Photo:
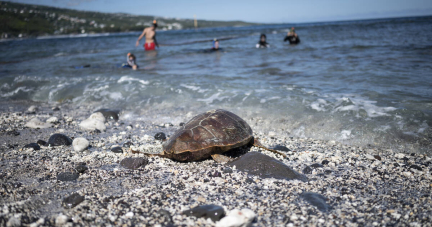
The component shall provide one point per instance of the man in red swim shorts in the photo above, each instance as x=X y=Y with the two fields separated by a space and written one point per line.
x=150 y=37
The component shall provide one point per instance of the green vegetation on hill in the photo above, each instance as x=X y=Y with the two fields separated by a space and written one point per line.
x=23 y=20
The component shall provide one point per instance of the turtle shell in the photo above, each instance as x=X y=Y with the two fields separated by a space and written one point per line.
x=213 y=132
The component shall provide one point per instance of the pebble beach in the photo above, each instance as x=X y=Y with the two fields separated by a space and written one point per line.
x=101 y=178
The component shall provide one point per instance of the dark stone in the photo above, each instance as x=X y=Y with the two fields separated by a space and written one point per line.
x=13 y=133
x=416 y=167
x=117 y=150
x=181 y=124
x=72 y=200
x=127 y=144
x=109 y=114
x=325 y=162
x=377 y=157
x=59 y=140
x=328 y=171
x=249 y=180
x=35 y=146
x=316 y=166
x=160 y=136
x=56 y=109
x=215 y=174
x=307 y=170
x=81 y=168
x=265 y=166
x=280 y=148
x=396 y=164
x=134 y=163
x=97 y=131
x=67 y=176
x=41 y=142
x=215 y=213
x=316 y=200
x=227 y=170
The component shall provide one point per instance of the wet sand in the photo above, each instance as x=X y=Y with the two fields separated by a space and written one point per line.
x=363 y=186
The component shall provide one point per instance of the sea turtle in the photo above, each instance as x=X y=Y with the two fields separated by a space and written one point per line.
x=209 y=134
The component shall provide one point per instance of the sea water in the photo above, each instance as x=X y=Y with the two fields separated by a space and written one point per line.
x=358 y=82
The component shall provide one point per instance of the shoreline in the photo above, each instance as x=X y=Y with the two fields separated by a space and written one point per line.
x=364 y=186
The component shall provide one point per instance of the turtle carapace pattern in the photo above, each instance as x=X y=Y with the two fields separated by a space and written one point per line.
x=211 y=133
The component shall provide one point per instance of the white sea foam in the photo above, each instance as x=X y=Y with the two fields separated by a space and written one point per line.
x=14 y=92
x=319 y=105
x=131 y=79
x=212 y=98
x=194 y=88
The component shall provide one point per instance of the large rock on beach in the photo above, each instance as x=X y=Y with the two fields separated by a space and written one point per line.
x=96 y=121
x=265 y=166
x=317 y=200
x=80 y=144
x=214 y=212
x=59 y=140
x=109 y=114
x=36 y=123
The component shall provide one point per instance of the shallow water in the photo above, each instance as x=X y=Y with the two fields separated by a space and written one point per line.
x=358 y=82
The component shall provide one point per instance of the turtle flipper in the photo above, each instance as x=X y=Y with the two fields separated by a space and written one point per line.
x=221 y=158
x=257 y=143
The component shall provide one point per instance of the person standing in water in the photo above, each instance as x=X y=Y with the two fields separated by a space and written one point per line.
x=262 y=42
x=292 y=37
x=150 y=37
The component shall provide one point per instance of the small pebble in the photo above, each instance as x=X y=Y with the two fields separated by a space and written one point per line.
x=72 y=200
x=35 y=146
x=214 y=212
x=67 y=176
x=160 y=136
x=134 y=163
x=59 y=140
x=80 y=144
x=117 y=150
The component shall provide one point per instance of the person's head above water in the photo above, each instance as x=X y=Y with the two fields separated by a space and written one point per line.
x=155 y=24
x=263 y=38
x=131 y=57
x=215 y=44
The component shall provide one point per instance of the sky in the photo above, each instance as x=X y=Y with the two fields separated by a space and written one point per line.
x=260 y=11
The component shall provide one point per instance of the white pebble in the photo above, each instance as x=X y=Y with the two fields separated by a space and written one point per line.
x=400 y=155
x=61 y=220
x=32 y=109
x=52 y=120
x=370 y=157
x=36 y=123
x=95 y=121
x=129 y=214
x=97 y=116
x=80 y=144
x=240 y=218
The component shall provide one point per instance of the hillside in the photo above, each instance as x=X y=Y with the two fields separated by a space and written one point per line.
x=23 y=20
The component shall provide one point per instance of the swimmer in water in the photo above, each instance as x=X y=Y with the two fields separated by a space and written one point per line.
x=292 y=37
x=215 y=44
x=131 y=62
x=150 y=37
x=262 y=42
